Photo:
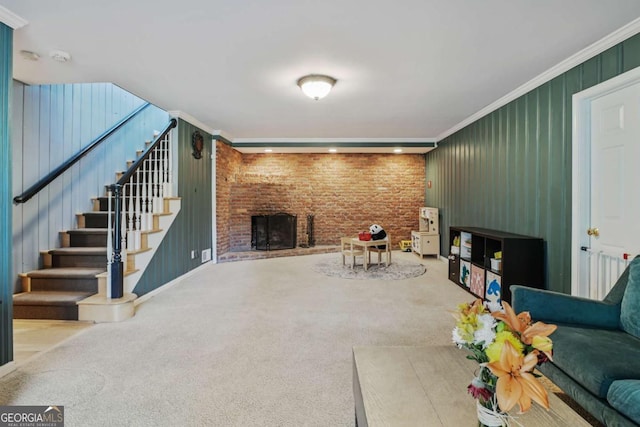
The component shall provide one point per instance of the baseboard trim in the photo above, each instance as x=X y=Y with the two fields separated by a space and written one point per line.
x=7 y=368
x=169 y=285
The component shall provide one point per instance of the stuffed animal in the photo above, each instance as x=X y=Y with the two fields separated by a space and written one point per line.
x=378 y=233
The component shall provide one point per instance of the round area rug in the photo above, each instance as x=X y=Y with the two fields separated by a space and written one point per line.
x=397 y=270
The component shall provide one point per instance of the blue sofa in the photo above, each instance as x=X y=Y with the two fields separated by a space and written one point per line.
x=596 y=348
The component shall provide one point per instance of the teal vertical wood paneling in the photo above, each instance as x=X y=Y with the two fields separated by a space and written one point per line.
x=630 y=61
x=192 y=228
x=611 y=62
x=517 y=177
x=6 y=221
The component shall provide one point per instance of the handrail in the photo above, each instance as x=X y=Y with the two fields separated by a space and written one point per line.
x=34 y=189
x=127 y=175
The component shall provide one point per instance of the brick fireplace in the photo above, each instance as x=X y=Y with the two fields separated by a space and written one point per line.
x=345 y=193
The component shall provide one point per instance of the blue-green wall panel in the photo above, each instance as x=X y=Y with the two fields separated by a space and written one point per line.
x=511 y=170
x=630 y=61
x=6 y=274
x=192 y=227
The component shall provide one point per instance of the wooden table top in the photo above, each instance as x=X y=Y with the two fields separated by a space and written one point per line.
x=427 y=386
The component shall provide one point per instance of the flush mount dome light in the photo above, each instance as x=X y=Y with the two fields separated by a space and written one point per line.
x=316 y=86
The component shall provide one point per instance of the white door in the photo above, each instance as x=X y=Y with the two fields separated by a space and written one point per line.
x=613 y=231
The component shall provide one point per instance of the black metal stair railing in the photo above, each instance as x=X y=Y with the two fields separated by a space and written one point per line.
x=136 y=197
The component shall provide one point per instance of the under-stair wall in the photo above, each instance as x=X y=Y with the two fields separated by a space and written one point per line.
x=51 y=123
x=192 y=228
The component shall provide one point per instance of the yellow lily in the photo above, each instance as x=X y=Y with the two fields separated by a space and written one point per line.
x=516 y=383
x=521 y=324
x=543 y=344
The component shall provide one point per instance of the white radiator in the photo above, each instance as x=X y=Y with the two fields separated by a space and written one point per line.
x=605 y=269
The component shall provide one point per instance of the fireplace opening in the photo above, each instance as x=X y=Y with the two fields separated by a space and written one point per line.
x=272 y=232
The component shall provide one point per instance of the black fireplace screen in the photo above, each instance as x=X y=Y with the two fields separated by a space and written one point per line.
x=270 y=232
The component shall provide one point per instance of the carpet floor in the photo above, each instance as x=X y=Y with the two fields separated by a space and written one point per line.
x=250 y=343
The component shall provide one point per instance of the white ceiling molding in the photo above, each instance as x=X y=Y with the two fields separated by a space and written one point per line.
x=334 y=140
x=188 y=118
x=222 y=135
x=585 y=54
x=11 y=19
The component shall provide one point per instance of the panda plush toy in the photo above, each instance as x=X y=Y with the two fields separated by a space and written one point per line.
x=378 y=233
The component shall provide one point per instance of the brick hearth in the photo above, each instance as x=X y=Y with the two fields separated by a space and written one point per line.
x=247 y=255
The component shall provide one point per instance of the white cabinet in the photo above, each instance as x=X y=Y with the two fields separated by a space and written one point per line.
x=424 y=243
x=429 y=220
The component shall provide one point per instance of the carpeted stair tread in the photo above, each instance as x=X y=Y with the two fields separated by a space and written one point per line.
x=87 y=231
x=66 y=272
x=80 y=251
x=50 y=298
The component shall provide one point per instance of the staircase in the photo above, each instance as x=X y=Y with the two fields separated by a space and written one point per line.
x=75 y=275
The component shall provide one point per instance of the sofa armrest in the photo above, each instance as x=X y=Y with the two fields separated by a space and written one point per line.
x=550 y=307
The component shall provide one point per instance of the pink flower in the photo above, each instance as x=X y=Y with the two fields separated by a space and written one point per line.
x=478 y=391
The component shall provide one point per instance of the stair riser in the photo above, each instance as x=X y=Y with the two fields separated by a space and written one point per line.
x=96 y=221
x=61 y=284
x=64 y=312
x=87 y=240
x=62 y=261
x=100 y=221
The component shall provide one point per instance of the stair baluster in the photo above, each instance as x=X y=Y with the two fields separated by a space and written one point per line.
x=138 y=207
x=131 y=238
x=167 y=171
x=123 y=228
x=157 y=200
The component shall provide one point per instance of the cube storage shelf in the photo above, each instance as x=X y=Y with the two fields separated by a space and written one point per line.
x=470 y=268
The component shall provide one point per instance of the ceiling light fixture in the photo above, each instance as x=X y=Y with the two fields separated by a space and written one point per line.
x=60 y=55
x=316 y=86
x=397 y=150
x=268 y=150
x=333 y=150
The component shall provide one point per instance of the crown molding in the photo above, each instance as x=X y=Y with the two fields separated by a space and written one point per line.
x=11 y=19
x=343 y=141
x=189 y=118
x=222 y=136
x=585 y=54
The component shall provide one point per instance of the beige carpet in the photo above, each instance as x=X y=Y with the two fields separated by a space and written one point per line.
x=251 y=343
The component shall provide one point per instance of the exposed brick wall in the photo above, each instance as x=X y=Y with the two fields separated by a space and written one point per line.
x=345 y=192
x=228 y=163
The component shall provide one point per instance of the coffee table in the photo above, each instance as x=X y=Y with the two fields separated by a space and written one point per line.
x=427 y=386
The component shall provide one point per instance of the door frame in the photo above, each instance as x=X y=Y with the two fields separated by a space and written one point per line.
x=581 y=172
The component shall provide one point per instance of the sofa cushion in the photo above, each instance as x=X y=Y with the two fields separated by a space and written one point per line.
x=629 y=319
x=595 y=358
x=624 y=395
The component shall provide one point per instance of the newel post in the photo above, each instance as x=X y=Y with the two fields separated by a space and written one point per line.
x=117 y=270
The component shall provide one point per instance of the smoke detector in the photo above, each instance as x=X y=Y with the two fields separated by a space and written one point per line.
x=60 y=55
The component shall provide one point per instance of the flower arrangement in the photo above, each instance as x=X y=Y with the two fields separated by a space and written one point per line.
x=507 y=346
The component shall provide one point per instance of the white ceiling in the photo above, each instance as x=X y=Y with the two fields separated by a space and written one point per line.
x=411 y=69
